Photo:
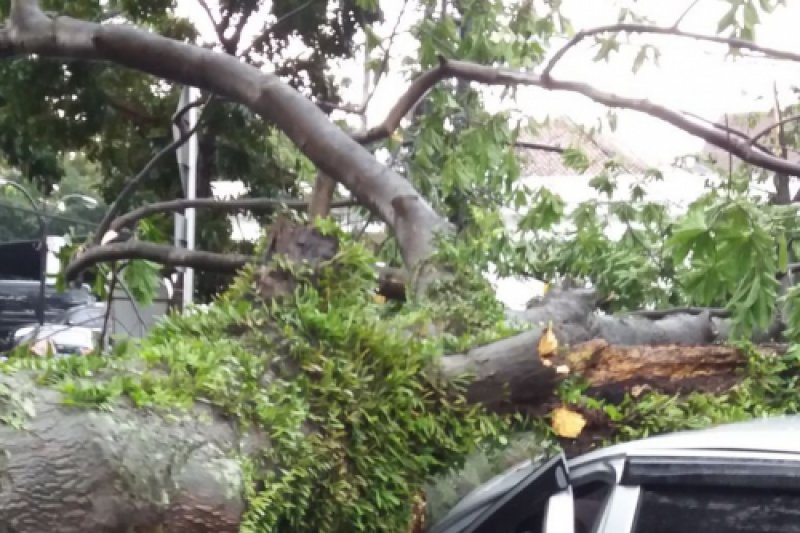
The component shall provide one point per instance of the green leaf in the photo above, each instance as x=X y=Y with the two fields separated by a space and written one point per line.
x=639 y=60
x=575 y=159
x=783 y=253
x=603 y=183
x=143 y=279
x=372 y=39
x=751 y=18
x=686 y=233
x=728 y=20
x=607 y=46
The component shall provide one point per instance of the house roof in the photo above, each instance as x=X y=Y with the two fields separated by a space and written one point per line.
x=562 y=132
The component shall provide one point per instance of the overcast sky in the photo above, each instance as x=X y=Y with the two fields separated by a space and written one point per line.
x=692 y=76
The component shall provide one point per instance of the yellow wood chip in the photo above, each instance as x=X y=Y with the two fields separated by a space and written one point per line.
x=566 y=423
x=379 y=299
x=548 y=343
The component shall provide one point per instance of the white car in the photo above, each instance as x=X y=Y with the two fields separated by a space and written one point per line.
x=57 y=339
x=734 y=478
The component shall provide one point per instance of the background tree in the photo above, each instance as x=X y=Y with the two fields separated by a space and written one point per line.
x=119 y=119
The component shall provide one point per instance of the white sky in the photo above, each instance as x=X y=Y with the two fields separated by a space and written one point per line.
x=692 y=76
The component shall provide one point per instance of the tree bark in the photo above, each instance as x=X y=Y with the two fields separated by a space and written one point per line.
x=75 y=470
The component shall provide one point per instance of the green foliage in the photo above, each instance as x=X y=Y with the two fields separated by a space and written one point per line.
x=342 y=385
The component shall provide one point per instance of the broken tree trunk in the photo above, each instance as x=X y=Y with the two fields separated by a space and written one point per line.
x=74 y=469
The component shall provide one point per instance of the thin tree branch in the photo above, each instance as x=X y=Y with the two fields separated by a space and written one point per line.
x=538 y=146
x=386 y=57
x=727 y=129
x=132 y=184
x=503 y=76
x=772 y=53
x=783 y=195
x=778 y=124
x=267 y=31
x=244 y=204
x=418 y=88
x=210 y=14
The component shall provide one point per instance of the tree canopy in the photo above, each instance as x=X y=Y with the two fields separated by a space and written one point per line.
x=340 y=372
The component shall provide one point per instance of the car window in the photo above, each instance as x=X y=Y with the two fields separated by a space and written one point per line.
x=677 y=509
x=589 y=500
x=513 y=502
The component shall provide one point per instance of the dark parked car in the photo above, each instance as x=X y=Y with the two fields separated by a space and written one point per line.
x=734 y=478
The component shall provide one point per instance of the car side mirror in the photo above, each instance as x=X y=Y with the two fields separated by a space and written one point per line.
x=560 y=514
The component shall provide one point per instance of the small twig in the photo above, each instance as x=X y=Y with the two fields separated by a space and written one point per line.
x=684 y=13
x=539 y=146
x=386 y=56
x=210 y=14
x=109 y=302
x=132 y=184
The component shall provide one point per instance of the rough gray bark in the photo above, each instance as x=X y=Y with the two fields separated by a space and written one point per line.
x=75 y=470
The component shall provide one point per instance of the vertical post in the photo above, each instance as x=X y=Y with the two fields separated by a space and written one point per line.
x=43 y=266
x=191 y=193
x=187 y=166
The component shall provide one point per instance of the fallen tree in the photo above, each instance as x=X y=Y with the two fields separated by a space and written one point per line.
x=297 y=402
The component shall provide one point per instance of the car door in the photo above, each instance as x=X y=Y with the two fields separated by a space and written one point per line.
x=516 y=501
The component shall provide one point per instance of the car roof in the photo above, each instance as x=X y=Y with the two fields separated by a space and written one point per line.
x=774 y=434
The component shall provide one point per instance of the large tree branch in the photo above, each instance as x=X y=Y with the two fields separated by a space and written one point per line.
x=239 y=204
x=157 y=253
x=669 y=30
x=391 y=281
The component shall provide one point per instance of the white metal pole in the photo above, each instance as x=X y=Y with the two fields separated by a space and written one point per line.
x=191 y=193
